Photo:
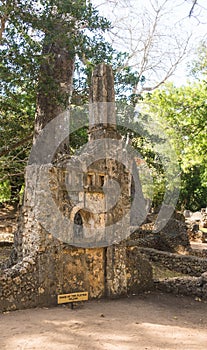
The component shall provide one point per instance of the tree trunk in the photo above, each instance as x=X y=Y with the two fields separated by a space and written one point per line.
x=53 y=98
x=55 y=80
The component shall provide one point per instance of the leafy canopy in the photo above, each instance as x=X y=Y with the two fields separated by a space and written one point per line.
x=183 y=112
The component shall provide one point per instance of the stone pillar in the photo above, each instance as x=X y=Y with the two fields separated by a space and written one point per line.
x=102 y=115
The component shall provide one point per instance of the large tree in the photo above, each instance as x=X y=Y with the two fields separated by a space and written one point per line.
x=41 y=42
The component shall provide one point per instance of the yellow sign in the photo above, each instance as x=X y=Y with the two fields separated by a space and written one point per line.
x=72 y=297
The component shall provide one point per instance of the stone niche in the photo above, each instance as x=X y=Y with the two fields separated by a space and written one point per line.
x=50 y=256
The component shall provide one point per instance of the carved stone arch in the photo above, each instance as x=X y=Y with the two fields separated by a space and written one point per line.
x=81 y=217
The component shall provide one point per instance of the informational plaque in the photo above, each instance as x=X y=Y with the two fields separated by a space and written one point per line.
x=72 y=297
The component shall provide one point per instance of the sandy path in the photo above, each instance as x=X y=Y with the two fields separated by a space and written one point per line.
x=146 y=322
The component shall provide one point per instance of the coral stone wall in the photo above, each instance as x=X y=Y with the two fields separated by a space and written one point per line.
x=103 y=272
x=45 y=266
x=186 y=264
x=193 y=286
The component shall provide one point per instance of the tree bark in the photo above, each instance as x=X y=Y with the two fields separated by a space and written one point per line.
x=55 y=80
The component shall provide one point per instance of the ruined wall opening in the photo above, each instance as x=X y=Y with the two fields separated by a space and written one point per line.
x=101 y=180
x=90 y=181
x=78 y=225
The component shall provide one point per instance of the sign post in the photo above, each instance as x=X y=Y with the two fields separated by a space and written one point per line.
x=72 y=298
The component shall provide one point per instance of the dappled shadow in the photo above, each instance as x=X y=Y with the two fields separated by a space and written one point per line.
x=149 y=321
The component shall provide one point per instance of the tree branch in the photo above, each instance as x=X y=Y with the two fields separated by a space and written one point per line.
x=7 y=150
x=3 y=24
x=192 y=8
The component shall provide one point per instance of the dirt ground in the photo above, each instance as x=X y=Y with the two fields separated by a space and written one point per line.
x=149 y=321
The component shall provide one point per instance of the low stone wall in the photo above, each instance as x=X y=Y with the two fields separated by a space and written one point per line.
x=186 y=264
x=193 y=286
x=199 y=253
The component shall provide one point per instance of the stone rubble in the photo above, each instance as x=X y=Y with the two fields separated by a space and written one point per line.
x=197 y=225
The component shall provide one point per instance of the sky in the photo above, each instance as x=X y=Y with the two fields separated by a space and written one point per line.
x=133 y=20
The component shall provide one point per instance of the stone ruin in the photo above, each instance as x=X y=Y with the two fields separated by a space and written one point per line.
x=96 y=253
x=197 y=225
x=51 y=257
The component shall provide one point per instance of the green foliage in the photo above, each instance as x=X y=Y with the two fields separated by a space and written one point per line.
x=5 y=191
x=30 y=25
x=183 y=113
x=194 y=187
x=199 y=66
